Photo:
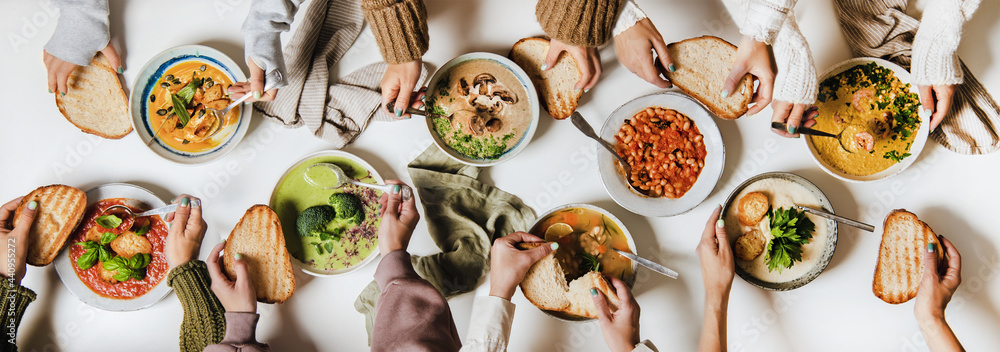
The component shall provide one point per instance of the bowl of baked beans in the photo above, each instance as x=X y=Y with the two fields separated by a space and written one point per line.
x=674 y=152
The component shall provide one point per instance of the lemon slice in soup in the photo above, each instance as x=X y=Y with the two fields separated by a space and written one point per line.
x=557 y=231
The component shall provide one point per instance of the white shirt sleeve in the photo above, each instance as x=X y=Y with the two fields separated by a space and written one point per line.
x=934 y=59
x=796 y=80
x=629 y=15
x=764 y=18
x=489 y=328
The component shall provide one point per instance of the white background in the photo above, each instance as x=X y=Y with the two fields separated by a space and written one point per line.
x=955 y=194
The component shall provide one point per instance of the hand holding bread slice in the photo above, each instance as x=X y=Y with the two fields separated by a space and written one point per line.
x=95 y=101
x=703 y=64
x=555 y=85
x=900 y=265
x=60 y=210
x=545 y=286
x=261 y=244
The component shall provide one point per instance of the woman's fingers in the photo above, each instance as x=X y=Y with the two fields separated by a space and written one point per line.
x=930 y=264
x=795 y=119
x=595 y=65
x=735 y=75
x=113 y=59
x=403 y=99
x=256 y=79
x=954 y=273
x=764 y=93
x=7 y=212
x=943 y=94
x=393 y=199
x=926 y=102
x=553 y=56
x=62 y=75
x=585 y=66
x=603 y=313
x=242 y=272
x=214 y=268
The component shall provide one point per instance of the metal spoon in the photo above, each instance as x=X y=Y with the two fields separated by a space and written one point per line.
x=409 y=110
x=342 y=179
x=158 y=211
x=812 y=132
x=582 y=125
x=221 y=115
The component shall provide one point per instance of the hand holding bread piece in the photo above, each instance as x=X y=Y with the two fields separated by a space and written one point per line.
x=95 y=102
x=237 y=295
x=259 y=241
x=703 y=64
x=546 y=287
x=509 y=262
x=60 y=210
x=556 y=84
x=16 y=238
x=901 y=256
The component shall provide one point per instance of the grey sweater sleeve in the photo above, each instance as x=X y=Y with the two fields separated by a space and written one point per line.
x=262 y=32
x=81 y=32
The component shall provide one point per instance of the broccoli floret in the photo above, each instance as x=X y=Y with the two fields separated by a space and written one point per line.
x=348 y=208
x=313 y=221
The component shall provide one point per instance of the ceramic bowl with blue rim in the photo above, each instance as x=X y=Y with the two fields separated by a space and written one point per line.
x=148 y=105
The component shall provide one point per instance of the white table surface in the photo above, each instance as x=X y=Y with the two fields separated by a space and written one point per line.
x=953 y=193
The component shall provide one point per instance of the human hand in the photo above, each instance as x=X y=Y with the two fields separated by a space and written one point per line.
x=793 y=116
x=752 y=57
x=16 y=238
x=398 y=84
x=935 y=103
x=635 y=47
x=399 y=218
x=254 y=86
x=508 y=264
x=59 y=70
x=621 y=328
x=187 y=229
x=588 y=60
x=935 y=289
x=236 y=296
x=716 y=257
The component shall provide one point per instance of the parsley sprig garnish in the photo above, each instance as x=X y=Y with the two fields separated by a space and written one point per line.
x=790 y=230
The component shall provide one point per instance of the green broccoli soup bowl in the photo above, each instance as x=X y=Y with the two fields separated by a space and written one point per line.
x=329 y=232
x=489 y=108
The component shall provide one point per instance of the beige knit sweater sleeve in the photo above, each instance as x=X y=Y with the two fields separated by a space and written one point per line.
x=588 y=23
x=934 y=59
x=400 y=28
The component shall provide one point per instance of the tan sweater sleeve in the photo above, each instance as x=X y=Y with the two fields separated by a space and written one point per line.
x=586 y=23
x=400 y=28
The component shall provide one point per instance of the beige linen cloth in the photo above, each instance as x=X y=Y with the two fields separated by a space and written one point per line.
x=335 y=111
x=881 y=28
x=463 y=216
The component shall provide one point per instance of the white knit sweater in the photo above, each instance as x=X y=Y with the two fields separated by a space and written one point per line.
x=934 y=59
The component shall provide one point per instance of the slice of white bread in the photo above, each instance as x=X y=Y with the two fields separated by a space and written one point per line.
x=259 y=240
x=555 y=85
x=901 y=256
x=703 y=63
x=60 y=209
x=545 y=286
x=94 y=100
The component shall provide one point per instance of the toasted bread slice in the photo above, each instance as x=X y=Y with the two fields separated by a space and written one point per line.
x=750 y=245
x=703 y=64
x=752 y=208
x=95 y=101
x=259 y=240
x=901 y=256
x=545 y=286
x=60 y=209
x=556 y=85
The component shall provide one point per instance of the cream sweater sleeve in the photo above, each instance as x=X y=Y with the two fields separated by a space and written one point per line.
x=773 y=22
x=934 y=59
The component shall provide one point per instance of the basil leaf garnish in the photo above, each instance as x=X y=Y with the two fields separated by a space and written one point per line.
x=87 y=260
x=108 y=221
x=107 y=237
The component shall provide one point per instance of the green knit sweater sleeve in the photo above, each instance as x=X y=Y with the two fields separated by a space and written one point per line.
x=15 y=300
x=204 y=317
x=587 y=23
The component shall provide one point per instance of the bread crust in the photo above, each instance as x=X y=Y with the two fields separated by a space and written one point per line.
x=100 y=62
x=70 y=205
x=275 y=255
x=551 y=103
x=752 y=208
x=575 y=295
x=746 y=83
x=904 y=277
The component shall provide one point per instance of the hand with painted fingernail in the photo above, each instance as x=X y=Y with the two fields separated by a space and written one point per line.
x=755 y=58
x=716 y=256
x=399 y=219
x=794 y=116
x=588 y=60
x=635 y=48
x=621 y=327
x=16 y=254
x=254 y=85
x=236 y=295
x=935 y=104
x=59 y=70
x=937 y=286
x=509 y=264
x=187 y=229
x=398 y=86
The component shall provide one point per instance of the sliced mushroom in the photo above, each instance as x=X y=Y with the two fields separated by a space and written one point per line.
x=494 y=125
x=505 y=95
x=484 y=79
x=463 y=86
x=468 y=121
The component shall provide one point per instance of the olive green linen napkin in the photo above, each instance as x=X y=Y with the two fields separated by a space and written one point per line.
x=463 y=216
